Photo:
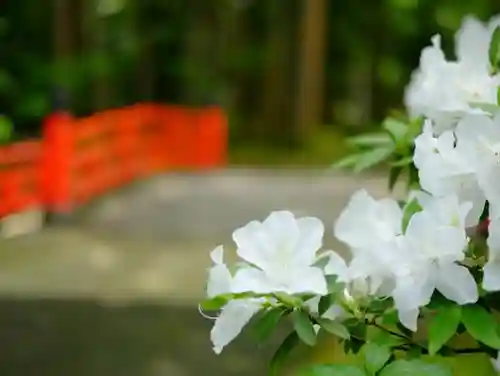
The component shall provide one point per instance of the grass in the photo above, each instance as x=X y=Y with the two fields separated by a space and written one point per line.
x=321 y=150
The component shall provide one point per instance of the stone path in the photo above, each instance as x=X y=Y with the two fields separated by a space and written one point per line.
x=114 y=292
x=152 y=239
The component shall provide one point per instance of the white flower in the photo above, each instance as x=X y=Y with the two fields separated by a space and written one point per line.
x=446 y=210
x=491 y=276
x=219 y=277
x=472 y=41
x=444 y=91
x=337 y=266
x=428 y=252
x=478 y=141
x=236 y=313
x=231 y=321
x=445 y=169
x=282 y=250
x=366 y=225
x=365 y=221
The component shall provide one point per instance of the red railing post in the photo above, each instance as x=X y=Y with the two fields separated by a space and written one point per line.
x=57 y=153
x=211 y=137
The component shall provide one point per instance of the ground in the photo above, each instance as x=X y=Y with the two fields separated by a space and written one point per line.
x=115 y=289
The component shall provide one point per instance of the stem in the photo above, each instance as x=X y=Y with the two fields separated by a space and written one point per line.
x=445 y=350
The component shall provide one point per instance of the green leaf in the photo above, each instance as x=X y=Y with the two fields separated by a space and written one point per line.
x=415 y=127
x=494 y=50
x=375 y=357
x=410 y=208
x=356 y=328
x=289 y=300
x=348 y=161
x=481 y=325
x=390 y=318
x=334 y=327
x=486 y=107
x=322 y=261
x=372 y=157
x=498 y=95
x=304 y=328
x=333 y=286
x=266 y=323
x=415 y=367
x=215 y=304
x=382 y=338
x=405 y=161
x=393 y=176
x=443 y=326
x=370 y=139
x=332 y=370
x=325 y=302
x=414 y=352
x=280 y=356
x=396 y=128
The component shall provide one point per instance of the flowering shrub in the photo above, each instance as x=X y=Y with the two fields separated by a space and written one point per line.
x=434 y=257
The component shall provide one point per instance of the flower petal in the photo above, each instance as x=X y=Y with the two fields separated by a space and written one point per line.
x=335 y=312
x=231 y=321
x=253 y=243
x=414 y=290
x=409 y=318
x=491 y=276
x=310 y=280
x=219 y=281
x=337 y=266
x=217 y=255
x=494 y=239
x=365 y=221
x=489 y=181
x=282 y=229
x=472 y=42
x=252 y=280
x=456 y=283
x=349 y=226
x=310 y=240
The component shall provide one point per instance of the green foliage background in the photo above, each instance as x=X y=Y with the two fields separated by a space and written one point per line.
x=219 y=51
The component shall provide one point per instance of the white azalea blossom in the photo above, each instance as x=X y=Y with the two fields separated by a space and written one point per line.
x=235 y=314
x=402 y=257
x=445 y=169
x=412 y=265
x=366 y=225
x=444 y=91
x=278 y=255
x=282 y=251
x=478 y=140
x=366 y=221
x=429 y=251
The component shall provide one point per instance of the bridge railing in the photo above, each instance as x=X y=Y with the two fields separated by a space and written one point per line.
x=79 y=159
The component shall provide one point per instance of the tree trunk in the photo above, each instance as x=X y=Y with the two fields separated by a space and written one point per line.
x=275 y=122
x=63 y=39
x=94 y=32
x=199 y=54
x=146 y=61
x=310 y=96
